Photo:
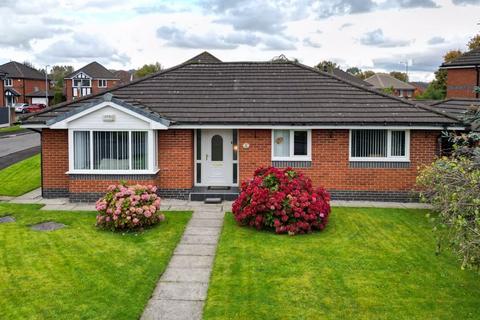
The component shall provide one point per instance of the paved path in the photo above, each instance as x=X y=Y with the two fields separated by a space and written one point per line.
x=182 y=290
x=18 y=142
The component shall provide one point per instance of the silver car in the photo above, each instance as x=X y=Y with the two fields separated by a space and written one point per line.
x=20 y=107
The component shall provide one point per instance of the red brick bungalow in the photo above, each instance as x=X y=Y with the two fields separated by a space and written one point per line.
x=206 y=125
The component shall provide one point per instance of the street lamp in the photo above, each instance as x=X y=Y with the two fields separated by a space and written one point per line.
x=46 y=84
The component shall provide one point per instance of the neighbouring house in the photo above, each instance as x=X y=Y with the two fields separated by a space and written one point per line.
x=384 y=81
x=22 y=81
x=40 y=96
x=123 y=76
x=463 y=75
x=420 y=87
x=201 y=128
x=91 y=79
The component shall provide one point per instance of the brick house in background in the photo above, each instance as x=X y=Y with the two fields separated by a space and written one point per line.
x=21 y=82
x=199 y=129
x=420 y=87
x=383 y=81
x=91 y=79
x=463 y=75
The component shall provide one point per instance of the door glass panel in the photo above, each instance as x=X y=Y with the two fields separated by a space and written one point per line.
x=217 y=148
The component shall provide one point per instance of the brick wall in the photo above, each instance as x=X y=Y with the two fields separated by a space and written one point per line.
x=95 y=88
x=26 y=86
x=330 y=166
x=175 y=159
x=461 y=82
x=54 y=162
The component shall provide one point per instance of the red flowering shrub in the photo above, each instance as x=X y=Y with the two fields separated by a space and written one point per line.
x=129 y=208
x=282 y=200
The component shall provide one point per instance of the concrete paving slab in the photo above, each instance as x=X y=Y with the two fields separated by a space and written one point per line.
x=199 y=231
x=58 y=207
x=195 y=291
x=191 y=262
x=205 y=222
x=208 y=215
x=200 y=239
x=186 y=275
x=173 y=310
x=195 y=249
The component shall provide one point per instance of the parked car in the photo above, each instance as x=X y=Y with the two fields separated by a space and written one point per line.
x=35 y=107
x=20 y=107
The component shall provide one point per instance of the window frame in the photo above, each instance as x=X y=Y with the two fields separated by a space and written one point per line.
x=152 y=164
x=389 y=157
x=81 y=82
x=102 y=81
x=293 y=157
x=8 y=82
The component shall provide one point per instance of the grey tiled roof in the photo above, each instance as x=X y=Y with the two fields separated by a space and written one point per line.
x=350 y=77
x=456 y=106
x=469 y=58
x=19 y=70
x=40 y=93
x=259 y=93
x=383 y=81
x=94 y=70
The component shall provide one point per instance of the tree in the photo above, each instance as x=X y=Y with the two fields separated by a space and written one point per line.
x=451 y=186
x=58 y=73
x=148 y=69
x=355 y=71
x=402 y=76
x=474 y=43
x=389 y=90
x=327 y=66
x=367 y=74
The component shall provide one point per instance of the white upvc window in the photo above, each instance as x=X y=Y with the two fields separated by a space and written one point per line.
x=292 y=145
x=118 y=152
x=102 y=83
x=8 y=82
x=379 y=145
x=82 y=83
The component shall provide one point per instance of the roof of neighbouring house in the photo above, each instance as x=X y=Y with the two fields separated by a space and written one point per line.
x=350 y=77
x=95 y=70
x=19 y=70
x=257 y=93
x=456 y=107
x=384 y=81
x=13 y=91
x=123 y=75
x=470 y=58
x=419 y=84
x=40 y=94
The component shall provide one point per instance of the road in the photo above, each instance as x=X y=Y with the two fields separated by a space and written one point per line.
x=16 y=147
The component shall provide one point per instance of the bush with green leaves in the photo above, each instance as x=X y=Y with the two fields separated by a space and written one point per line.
x=452 y=186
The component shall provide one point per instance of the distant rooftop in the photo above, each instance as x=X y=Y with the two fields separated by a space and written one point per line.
x=94 y=70
x=384 y=81
x=19 y=70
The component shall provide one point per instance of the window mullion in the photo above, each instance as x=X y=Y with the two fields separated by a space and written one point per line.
x=130 y=150
x=292 y=143
x=91 y=149
x=389 y=143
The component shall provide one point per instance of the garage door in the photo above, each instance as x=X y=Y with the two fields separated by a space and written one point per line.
x=39 y=100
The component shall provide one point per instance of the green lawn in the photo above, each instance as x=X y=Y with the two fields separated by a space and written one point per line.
x=11 y=129
x=79 y=272
x=20 y=177
x=368 y=264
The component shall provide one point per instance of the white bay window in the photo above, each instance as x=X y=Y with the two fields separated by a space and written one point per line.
x=379 y=145
x=291 y=145
x=97 y=151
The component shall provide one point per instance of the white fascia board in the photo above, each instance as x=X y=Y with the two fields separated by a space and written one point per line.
x=343 y=127
x=63 y=124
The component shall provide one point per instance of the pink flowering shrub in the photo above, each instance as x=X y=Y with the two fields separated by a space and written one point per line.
x=282 y=200
x=129 y=208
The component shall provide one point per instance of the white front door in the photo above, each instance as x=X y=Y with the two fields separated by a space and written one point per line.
x=217 y=154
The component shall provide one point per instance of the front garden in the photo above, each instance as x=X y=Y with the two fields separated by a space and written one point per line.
x=79 y=271
x=368 y=263
x=21 y=177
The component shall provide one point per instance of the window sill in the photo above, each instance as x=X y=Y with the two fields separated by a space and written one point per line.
x=379 y=164
x=292 y=163
x=113 y=172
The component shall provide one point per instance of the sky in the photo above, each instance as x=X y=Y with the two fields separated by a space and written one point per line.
x=379 y=35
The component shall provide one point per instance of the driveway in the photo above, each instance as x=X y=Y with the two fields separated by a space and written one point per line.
x=18 y=146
